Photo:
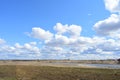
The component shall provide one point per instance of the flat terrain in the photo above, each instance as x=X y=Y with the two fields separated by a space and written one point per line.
x=44 y=63
x=61 y=63
x=25 y=72
x=54 y=70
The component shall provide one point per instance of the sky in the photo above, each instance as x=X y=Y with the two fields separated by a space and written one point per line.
x=60 y=29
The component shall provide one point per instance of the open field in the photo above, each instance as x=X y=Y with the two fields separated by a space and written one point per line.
x=25 y=72
x=110 y=61
x=55 y=70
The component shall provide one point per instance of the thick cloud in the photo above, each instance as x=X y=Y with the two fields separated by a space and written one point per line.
x=111 y=25
x=112 y=5
x=41 y=34
x=108 y=26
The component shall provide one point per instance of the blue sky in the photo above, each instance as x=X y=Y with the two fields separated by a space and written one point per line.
x=59 y=29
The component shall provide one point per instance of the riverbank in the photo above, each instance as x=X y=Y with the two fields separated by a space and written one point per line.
x=111 y=64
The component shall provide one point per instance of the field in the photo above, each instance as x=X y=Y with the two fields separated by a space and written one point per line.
x=30 y=72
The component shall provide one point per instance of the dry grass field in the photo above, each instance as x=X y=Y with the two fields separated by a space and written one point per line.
x=30 y=72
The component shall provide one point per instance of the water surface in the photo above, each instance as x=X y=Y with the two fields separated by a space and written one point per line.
x=113 y=66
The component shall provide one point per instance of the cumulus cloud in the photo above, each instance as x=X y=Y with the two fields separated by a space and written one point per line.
x=111 y=25
x=112 y=5
x=64 y=46
x=18 y=49
x=83 y=45
x=72 y=30
x=60 y=28
x=40 y=33
x=108 y=26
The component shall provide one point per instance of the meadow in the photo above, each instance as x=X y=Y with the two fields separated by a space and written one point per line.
x=30 y=72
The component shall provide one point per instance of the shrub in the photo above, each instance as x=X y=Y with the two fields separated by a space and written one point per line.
x=118 y=61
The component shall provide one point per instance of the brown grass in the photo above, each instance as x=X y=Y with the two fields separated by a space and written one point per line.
x=21 y=72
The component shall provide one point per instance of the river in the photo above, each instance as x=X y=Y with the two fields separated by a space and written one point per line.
x=112 y=66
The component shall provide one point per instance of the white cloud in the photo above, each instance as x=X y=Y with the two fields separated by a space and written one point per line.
x=33 y=43
x=17 y=45
x=108 y=26
x=40 y=33
x=58 y=48
x=31 y=48
x=68 y=46
x=83 y=45
x=58 y=40
x=17 y=49
x=110 y=45
x=2 y=41
x=60 y=28
x=63 y=47
x=62 y=39
x=100 y=51
x=72 y=30
x=116 y=35
x=112 y=5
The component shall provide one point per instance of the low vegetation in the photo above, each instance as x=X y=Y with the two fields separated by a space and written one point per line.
x=11 y=72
